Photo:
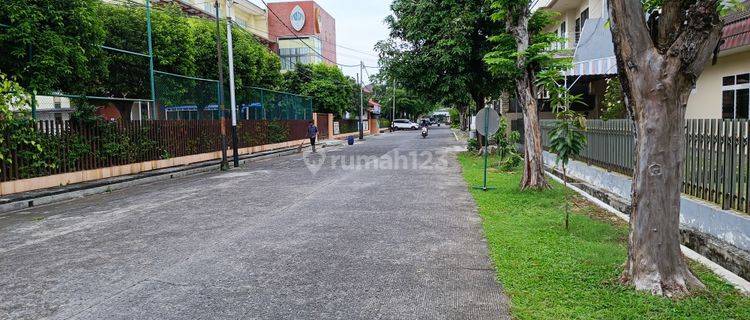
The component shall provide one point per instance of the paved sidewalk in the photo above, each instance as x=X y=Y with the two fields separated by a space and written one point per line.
x=269 y=241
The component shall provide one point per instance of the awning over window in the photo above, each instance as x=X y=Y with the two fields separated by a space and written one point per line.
x=595 y=53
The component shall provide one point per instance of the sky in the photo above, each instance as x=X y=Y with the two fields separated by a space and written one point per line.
x=359 y=26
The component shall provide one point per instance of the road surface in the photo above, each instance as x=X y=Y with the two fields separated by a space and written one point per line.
x=363 y=237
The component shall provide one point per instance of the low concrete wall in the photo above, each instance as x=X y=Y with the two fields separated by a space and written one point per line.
x=695 y=214
x=722 y=236
x=64 y=179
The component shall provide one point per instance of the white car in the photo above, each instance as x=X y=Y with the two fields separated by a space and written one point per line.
x=404 y=124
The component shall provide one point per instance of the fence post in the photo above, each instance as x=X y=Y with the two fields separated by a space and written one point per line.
x=33 y=105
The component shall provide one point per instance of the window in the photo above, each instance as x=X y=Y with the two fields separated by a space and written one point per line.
x=735 y=102
x=584 y=17
x=564 y=34
x=58 y=102
x=580 y=23
x=291 y=56
x=242 y=23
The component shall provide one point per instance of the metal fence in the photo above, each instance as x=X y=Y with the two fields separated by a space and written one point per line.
x=716 y=161
x=69 y=146
x=348 y=125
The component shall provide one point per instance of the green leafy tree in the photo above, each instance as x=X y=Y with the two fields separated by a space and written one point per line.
x=407 y=101
x=52 y=45
x=614 y=101
x=331 y=91
x=16 y=125
x=174 y=52
x=436 y=48
x=521 y=51
x=566 y=137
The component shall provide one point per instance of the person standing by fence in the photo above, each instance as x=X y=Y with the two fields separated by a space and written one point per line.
x=312 y=133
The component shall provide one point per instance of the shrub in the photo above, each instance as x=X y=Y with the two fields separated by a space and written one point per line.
x=17 y=128
x=473 y=144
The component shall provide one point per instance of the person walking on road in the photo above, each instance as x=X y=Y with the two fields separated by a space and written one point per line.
x=312 y=133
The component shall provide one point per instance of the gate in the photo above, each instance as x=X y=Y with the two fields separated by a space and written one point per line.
x=323 y=130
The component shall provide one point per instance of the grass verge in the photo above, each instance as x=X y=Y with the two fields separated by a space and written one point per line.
x=551 y=273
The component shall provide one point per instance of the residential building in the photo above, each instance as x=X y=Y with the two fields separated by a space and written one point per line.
x=247 y=14
x=722 y=91
x=302 y=32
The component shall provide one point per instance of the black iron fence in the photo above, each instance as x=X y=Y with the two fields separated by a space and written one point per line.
x=716 y=160
x=348 y=125
x=54 y=147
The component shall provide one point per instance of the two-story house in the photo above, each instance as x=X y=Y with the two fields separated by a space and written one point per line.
x=722 y=91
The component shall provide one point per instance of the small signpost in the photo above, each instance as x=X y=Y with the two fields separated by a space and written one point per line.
x=487 y=123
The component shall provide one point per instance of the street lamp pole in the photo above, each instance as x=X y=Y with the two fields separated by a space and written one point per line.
x=233 y=101
x=361 y=100
x=224 y=162
x=393 y=116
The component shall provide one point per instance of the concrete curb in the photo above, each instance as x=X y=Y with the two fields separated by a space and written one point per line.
x=741 y=284
x=97 y=187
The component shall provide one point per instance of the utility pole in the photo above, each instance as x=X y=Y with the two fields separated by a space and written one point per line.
x=230 y=18
x=361 y=100
x=393 y=116
x=224 y=162
x=155 y=115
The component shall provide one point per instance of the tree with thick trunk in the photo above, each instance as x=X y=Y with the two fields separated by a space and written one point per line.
x=659 y=62
x=517 y=24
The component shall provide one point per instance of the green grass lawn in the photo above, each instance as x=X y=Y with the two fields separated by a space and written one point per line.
x=551 y=273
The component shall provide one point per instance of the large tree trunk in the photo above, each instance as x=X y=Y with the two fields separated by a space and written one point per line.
x=517 y=24
x=655 y=261
x=657 y=71
x=462 y=119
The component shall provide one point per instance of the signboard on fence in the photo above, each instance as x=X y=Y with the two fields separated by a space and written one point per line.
x=336 y=128
x=366 y=126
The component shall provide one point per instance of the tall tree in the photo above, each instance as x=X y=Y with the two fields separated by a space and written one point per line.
x=521 y=52
x=331 y=90
x=51 y=45
x=659 y=62
x=437 y=49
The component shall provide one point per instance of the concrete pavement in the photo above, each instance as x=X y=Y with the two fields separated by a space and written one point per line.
x=359 y=239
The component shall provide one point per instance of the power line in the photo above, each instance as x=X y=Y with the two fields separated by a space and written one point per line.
x=317 y=53
x=297 y=36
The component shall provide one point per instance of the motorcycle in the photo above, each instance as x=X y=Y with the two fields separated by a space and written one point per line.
x=424 y=132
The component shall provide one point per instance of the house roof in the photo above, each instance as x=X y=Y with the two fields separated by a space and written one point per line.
x=736 y=30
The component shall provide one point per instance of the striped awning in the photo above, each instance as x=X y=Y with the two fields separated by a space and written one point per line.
x=595 y=53
x=603 y=66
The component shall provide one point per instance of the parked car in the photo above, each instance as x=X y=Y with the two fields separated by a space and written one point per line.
x=404 y=124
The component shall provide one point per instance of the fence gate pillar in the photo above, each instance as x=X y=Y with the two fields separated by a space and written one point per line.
x=330 y=126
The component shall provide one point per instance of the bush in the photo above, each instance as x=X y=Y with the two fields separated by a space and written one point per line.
x=17 y=129
x=473 y=144
x=384 y=123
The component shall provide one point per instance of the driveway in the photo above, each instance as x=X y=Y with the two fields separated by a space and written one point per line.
x=385 y=229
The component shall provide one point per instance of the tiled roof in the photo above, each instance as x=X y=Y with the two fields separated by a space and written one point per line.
x=736 y=29
x=736 y=33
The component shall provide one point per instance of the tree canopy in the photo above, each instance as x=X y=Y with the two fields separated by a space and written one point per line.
x=436 y=48
x=56 y=47
x=331 y=90
x=51 y=45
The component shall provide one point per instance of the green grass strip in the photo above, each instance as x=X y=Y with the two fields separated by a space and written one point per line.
x=551 y=273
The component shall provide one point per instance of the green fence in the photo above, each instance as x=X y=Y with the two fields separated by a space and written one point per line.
x=348 y=125
x=264 y=104
x=716 y=161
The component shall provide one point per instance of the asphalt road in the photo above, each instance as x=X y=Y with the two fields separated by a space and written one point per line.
x=385 y=229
